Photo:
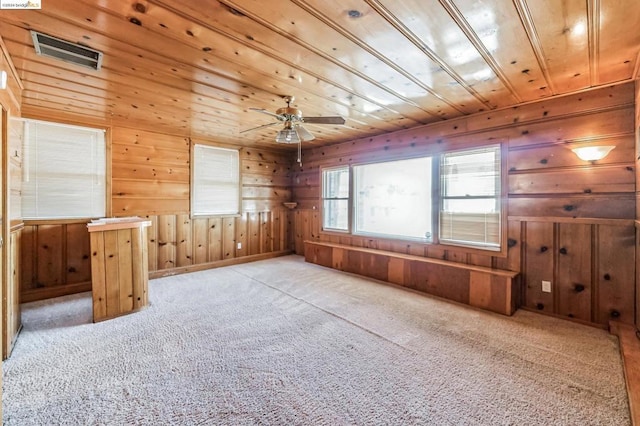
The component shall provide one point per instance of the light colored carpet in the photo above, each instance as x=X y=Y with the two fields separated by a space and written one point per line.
x=284 y=342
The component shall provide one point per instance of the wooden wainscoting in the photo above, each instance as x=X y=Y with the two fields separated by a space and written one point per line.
x=56 y=257
x=178 y=243
x=588 y=265
x=589 y=262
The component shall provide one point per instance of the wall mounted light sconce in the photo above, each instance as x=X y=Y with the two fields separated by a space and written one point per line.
x=3 y=80
x=593 y=153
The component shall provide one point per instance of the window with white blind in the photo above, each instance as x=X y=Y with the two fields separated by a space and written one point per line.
x=63 y=171
x=335 y=198
x=215 y=181
x=470 y=197
x=453 y=199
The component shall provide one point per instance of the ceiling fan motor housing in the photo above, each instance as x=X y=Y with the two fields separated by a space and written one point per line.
x=290 y=113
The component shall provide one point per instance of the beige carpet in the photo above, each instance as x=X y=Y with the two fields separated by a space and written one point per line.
x=282 y=342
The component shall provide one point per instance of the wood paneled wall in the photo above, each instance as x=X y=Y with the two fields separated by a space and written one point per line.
x=10 y=102
x=555 y=200
x=150 y=178
x=637 y=160
x=176 y=241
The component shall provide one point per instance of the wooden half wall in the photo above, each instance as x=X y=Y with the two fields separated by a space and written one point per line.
x=150 y=178
x=569 y=221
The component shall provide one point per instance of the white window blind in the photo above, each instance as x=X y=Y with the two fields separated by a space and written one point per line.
x=335 y=198
x=470 y=197
x=63 y=171
x=215 y=188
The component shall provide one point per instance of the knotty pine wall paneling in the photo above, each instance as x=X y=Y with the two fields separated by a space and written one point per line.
x=563 y=213
x=538 y=265
x=637 y=223
x=573 y=286
x=613 y=248
x=55 y=259
x=151 y=178
x=150 y=174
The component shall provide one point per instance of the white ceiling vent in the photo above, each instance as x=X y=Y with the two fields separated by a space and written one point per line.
x=69 y=52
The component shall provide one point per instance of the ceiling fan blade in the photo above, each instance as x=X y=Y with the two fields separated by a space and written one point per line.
x=264 y=111
x=304 y=134
x=324 y=120
x=259 y=127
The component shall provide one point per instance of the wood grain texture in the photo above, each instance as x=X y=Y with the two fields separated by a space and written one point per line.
x=478 y=286
x=555 y=199
x=637 y=231
x=119 y=269
x=172 y=242
x=174 y=67
x=573 y=284
x=11 y=310
x=630 y=351
x=614 y=274
x=139 y=268
x=539 y=265
x=125 y=270
x=98 y=275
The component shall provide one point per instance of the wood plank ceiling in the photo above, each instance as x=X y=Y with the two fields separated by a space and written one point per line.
x=194 y=67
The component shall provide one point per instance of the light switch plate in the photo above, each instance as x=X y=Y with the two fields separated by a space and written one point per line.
x=546 y=286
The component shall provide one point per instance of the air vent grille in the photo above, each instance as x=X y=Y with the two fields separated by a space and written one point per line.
x=52 y=47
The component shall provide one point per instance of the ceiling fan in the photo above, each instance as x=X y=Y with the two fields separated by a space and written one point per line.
x=293 y=131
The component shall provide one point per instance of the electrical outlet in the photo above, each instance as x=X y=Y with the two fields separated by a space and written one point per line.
x=546 y=286
x=239 y=246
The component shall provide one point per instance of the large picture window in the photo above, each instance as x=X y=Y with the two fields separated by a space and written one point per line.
x=63 y=171
x=405 y=199
x=394 y=199
x=215 y=181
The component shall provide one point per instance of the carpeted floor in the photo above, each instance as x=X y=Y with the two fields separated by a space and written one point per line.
x=282 y=342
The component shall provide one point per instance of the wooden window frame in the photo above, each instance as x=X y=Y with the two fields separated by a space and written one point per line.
x=435 y=244
x=349 y=199
x=193 y=163
x=107 y=166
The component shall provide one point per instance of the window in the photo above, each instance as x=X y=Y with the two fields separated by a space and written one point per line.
x=470 y=197
x=404 y=199
x=394 y=199
x=63 y=171
x=215 y=181
x=335 y=199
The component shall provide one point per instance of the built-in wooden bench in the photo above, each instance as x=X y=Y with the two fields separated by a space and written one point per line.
x=482 y=287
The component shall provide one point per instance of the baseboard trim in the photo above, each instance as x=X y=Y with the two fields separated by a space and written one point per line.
x=64 y=290
x=48 y=293
x=217 y=264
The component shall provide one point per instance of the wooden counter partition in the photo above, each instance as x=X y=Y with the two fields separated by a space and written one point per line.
x=119 y=266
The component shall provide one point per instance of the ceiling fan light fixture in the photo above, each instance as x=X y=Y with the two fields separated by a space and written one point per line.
x=288 y=135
